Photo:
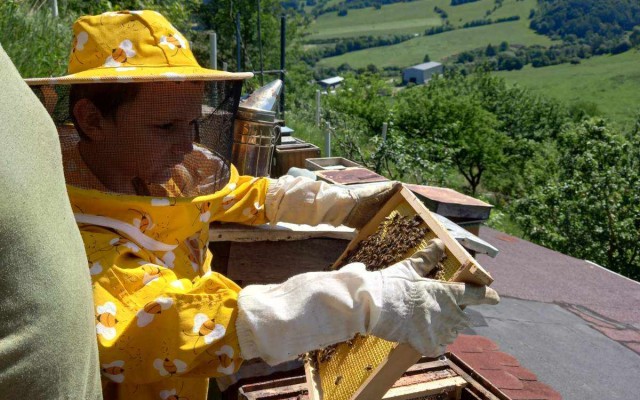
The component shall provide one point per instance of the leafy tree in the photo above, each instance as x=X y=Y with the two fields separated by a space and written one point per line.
x=635 y=36
x=365 y=99
x=590 y=207
x=490 y=51
x=426 y=58
x=220 y=16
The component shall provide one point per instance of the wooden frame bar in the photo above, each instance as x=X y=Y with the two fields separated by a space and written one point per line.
x=402 y=356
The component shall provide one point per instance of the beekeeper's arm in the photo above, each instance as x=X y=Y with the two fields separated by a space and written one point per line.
x=301 y=200
x=313 y=310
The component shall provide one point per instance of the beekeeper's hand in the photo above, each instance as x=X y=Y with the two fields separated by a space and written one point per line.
x=301 y=200
x=313 y=310
x=369 y=199
x=422 y=312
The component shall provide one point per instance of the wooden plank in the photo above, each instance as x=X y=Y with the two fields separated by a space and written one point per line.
x=409 y=392
x=477 y=386
x=351 y=175
x=314 y=385
x=273 y=262
x=377 y=384
x=277 y=232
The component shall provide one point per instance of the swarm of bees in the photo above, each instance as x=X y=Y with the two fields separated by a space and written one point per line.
x=393 y=241
x=396 y=236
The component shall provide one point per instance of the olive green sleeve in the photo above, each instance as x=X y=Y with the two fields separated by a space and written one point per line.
x=47 y=336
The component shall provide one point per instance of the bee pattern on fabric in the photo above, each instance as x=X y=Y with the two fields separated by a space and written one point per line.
x=252 y=212
x=151 y=273
x=205 y=212
x=151 y=309
x=143 y=223
x=206 y=328
x=173 y=41
x=228 y=201
x=195 y=251
x=78 y=44
x=95 y=268
x=171 y=395
x=106 y=325
x=169 y=259
x=167 y=367
x=114 y=371
x=225 y=357
x=121 y=54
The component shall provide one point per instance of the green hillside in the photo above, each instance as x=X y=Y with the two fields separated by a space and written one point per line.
x=439 y=46
x=412 y=17
x=610 y=82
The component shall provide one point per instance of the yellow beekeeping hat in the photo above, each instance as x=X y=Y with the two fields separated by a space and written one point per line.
x=132 y=46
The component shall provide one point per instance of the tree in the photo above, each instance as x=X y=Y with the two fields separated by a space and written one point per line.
x=220 y=16
x=635 y=36
x=426 y=58
x=590 y=207
x=490 y=51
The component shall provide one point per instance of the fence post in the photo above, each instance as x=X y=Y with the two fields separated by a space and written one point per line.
x=384 y=131
x=213 y=56
x=238 y=43
x=318 y=94
x=54 y=8
x=327 y=140
x=283 y=45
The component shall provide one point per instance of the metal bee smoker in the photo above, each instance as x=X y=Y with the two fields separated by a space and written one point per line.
x=256 y=132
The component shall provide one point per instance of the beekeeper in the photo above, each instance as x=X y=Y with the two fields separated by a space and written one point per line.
x=146 y=136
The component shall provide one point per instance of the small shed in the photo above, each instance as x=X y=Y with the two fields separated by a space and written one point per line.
x=421 y=73
x=331 y=83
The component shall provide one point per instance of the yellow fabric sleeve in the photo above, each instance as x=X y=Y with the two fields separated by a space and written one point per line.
x=245 y=204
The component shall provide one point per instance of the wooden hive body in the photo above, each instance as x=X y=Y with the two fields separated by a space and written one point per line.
x=366 y=367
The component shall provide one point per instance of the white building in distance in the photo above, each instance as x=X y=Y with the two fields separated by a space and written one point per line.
x=421 y=73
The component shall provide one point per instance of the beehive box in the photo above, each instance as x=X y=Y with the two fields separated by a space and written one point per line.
x=427 y=380
x=329 y=163
x=292 y=155
x=366 y=367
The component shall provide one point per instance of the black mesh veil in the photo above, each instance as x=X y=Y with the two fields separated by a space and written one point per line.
x=165 y=138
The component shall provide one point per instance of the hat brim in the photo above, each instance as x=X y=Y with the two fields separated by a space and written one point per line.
x=128 y=74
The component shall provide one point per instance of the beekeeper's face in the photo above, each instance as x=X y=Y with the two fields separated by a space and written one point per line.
x=155 y=131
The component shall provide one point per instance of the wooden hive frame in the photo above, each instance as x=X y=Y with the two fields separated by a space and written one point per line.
x=369 y=366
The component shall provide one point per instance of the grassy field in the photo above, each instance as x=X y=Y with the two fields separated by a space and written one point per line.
x=410 y=18
x=440 y=46
x=610 y=82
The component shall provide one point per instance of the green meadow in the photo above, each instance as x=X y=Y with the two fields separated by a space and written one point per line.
x=439 y=46
x=410 y=18
x=610 y=82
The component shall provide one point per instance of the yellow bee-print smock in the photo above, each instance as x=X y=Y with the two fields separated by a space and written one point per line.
x=164 y=321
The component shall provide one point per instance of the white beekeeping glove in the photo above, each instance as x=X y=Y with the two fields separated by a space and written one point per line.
x=301 y=200
x=369 y=199
x=313 y=310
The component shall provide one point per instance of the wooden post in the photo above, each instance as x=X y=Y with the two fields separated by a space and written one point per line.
x=384 y=131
